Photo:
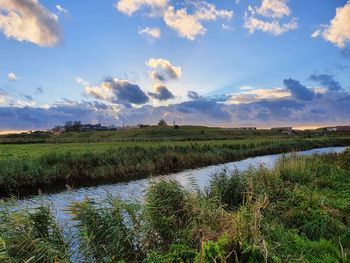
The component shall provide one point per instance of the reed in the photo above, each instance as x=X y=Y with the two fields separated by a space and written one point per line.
x=25 y=170
x=297 y=212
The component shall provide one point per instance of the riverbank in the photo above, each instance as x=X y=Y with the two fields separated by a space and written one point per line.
x=297 y=212
x=29 y=169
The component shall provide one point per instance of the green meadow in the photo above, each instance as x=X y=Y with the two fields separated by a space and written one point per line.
x=29 y=165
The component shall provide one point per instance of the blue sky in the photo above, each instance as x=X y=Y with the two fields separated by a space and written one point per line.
x=261 y=62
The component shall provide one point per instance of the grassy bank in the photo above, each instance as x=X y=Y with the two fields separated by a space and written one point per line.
x=156 y=133
x=26 y=168
x=297 y=212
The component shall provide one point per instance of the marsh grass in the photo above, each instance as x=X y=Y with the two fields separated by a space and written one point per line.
x=297 y=212
x=32 y=236
x=26 y=173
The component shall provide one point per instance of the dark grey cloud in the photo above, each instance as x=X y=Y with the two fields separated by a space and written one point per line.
x=118 y=92
x=39 y=90
x=30 y=118
x=206 y=107
x=158 y=76
x=162 y=93
x=126 y=91
x=27 y=97
x=329 y=109
x=193 y=95
x=298 y=90
x=327 y=81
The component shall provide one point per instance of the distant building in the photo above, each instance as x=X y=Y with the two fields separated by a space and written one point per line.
x=82 y=128
x=330 y=129
x=338 y=128
x=289 y=132
x=89 y=127
x=282 y=129
x=244 y=128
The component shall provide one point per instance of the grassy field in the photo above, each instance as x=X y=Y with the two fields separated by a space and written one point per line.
x=153 y=133
x=26 y=168
x=297 y=212
x=52 y=165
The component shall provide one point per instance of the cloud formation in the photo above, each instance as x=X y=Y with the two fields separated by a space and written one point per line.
x=131 y=6
x=298 y=90
x=118 y=92
x=82 y=82
x=253 y=95
x=32 y=118
x=12 y=76
x=273 y=8
x=302 y=107
x=162 y=93
x=327 y=81
x=186 y=21
x=28 y=20
x=190 y=25
x=268 y=17
x=3 y=97
x=62 y=10
x=193 y=95
x=338 y=30
x=39 y=90
x=164 y=70
x=150 y=32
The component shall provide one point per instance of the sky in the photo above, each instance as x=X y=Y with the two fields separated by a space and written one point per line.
x=226 y=63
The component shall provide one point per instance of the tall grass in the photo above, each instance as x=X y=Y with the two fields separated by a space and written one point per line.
x=297 y=212
x=32 y=236
x=27 y=174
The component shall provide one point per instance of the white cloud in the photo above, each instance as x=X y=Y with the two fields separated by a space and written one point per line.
x=28 y=20
x=150 y=32
x=338 y=31
x=187 y=24
x=274 y=27
x=82 y=82
x=164 y=70
x=61 y=9
x=104 y=91
x=131 y=6
x=227 y=27
x=190 y=25
x=253 y=95
x=273 y=8
x=12 y=76
x=317 y=33
x=207 y=11
x=3 y=97
x=268 y=17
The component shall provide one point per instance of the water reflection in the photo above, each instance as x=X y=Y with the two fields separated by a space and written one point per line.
x=136 y=189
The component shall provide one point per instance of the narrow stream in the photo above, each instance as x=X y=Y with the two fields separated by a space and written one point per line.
x=136 y=189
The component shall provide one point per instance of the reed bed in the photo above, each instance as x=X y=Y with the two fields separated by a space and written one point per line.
x=297 y=212
x=50 y=166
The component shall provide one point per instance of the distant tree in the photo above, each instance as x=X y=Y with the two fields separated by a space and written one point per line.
x=162 y=122
x=76 y=126
x=57 y=129
x=72 y=126
x=68 y=126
